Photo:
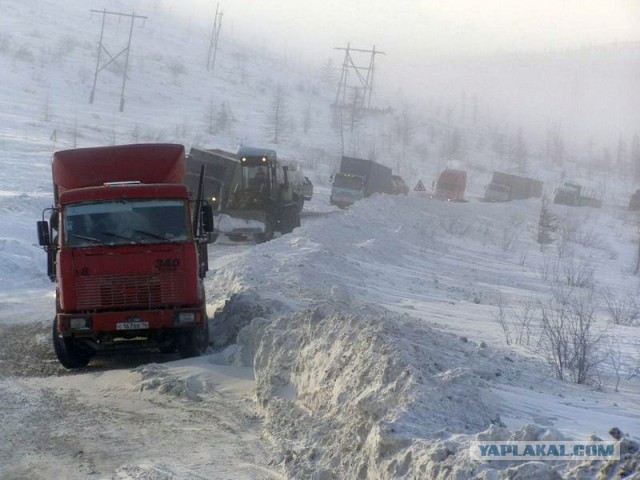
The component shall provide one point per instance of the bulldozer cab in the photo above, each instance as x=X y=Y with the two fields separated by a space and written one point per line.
x=260 y=184
x=258 y=179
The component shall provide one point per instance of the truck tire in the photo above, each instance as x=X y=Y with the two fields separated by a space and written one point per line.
x=68 y=353
x=267 y=234
x=171 y=348
x=290 y=219
x=195 y=342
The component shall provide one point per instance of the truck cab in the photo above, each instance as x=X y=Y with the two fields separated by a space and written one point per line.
x=358 y=178
x=128 y=256
x=497 y=193
x=347 y=189
x=568 y=194
x=451 y=185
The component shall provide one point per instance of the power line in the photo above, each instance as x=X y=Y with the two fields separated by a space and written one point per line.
x=113 y=59
x=364 y=76
x=213 y=43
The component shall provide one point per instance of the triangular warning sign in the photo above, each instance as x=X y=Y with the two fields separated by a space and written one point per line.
x=420 y=187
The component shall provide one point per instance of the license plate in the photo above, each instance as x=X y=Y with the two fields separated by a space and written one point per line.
x=132 y=325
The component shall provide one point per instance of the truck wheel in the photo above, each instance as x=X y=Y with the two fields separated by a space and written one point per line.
x=68 y=353
x=194 y=342
x=171 y=348
x=267 y=234
x=290 y=219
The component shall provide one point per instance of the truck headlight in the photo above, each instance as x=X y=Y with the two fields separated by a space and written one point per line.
x=80 y=323
x=184 y=318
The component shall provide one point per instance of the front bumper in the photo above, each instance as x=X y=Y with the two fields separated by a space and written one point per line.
x=107 y=322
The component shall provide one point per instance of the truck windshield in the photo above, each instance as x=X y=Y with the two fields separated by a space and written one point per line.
x=447 y=186
x=255 y=177
x=351 y=182
x=125 y=222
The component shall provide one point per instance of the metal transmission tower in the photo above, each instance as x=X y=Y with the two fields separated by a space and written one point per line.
x=213 y=44
x=364 y=75
x=113 y=58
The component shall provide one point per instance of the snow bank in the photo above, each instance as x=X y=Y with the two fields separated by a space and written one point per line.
x=367 y=394
x=352 y=390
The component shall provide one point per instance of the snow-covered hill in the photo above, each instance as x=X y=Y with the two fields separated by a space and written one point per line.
x=375 y=339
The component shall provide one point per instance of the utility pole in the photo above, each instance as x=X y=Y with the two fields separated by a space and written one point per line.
x=637 y=269
x=113 y=58
x=364 y=75
x=213 y=43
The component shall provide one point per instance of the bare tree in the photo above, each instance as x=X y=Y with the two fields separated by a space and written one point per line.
x=277 y=116
x=306 y=119
x=635 y=371
x=622 y=310
x=501 y=318
x=614 y=356
x=516 y=322
x=576 y=273
x=569 y=341
x=511 y=232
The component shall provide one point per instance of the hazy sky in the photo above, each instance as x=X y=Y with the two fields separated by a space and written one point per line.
x=432 y=46
x=410 y=27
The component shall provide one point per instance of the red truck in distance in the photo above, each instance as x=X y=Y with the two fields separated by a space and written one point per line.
x=451 y=185
x=127 y=248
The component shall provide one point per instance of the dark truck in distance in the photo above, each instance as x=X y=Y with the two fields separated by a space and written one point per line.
x=505 y=187
x=222 y=174
x=127 y=250
x=577 y=196
x=399 y=186
x=357 y=179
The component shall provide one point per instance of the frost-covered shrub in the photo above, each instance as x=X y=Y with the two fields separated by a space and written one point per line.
x=24 y=54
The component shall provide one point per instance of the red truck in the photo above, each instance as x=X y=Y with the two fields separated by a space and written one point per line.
x=127 y=248
x=451 y=185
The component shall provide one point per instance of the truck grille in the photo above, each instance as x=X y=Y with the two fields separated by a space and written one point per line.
x=118 y=291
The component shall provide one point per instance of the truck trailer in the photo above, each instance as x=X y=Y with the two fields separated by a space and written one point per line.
x=505 y=187
x=127 y=250
x=357 y=179
x=576 y=195
x=222 y=174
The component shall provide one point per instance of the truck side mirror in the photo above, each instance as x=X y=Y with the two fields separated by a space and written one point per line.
x=207 y=218
x=54 y=219
x=43 y=233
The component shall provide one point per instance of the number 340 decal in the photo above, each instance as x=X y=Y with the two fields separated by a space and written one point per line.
x=167 y=263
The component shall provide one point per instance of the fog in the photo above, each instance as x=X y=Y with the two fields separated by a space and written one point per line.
x=531 y=63
x=410 y=29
